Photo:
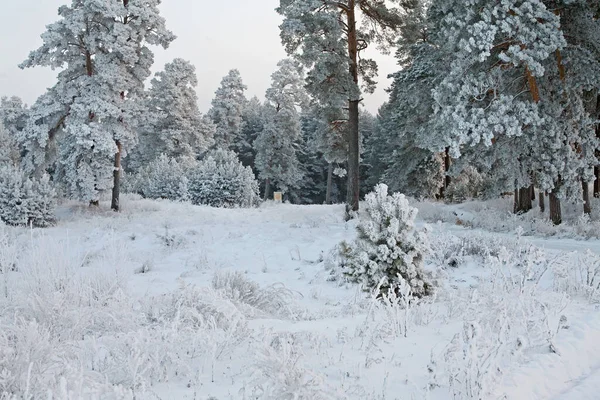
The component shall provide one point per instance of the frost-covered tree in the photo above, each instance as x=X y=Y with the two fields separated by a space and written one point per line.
x=252 y=125
x=102 y=48
x=327 y=37
x=220 y=180
x=227 y=111
x=163 y=178
x=13 y=115
x=388 y=247
x=176 y=128
x=9 y=151
x=399 y=152
x=520 y=72
x=330 y=139
x=278 y=144
x=24 y=201
x=13 y=118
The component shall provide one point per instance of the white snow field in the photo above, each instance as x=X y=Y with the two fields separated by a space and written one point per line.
x=173 y=301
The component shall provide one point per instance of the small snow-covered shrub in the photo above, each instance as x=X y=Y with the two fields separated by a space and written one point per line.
x=25 y=201
x=164 y=178
x=578 y=274
x=334 y=263
x=220 y=180
x=388 y=245
x=279 y=373
x=271 y=300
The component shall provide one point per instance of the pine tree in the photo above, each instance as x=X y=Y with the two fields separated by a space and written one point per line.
x=9 y=152
x=13 y=117
x=175 y=126
x=518 y=84
x=326 y=37
x=24 y=201
x=227 y=111
x=252 y=125
x=163 y=178
x=103 y=50
x=220 y=180
x=278 y=144
x=388 y=247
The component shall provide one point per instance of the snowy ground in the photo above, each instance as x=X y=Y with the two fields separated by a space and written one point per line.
x=173 y=301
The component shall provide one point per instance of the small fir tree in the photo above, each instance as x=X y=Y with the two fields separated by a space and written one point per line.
x=388 y=245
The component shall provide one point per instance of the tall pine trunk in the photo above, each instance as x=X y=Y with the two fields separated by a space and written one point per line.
x=597 y=182
x=587 y=206
x=114 y=204
x=116 y=190
x=447 y=179
x=597 y=152
x=532 y=190
x=353 y=132
x=523 y=201
x=542 y=202
x=267 y=189
x=329 y=183
x=555 y=211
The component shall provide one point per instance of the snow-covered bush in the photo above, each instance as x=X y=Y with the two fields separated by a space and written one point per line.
x=25 y=201
x=220 y=180
x=250 y=297
x=388 y=245
x=279 y=373
x=164 y=178
x=578 y=274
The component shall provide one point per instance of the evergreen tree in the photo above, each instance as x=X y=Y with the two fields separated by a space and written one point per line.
x=24 y=201
x=103 y=50
x=278 y=144
x=9 y=151
x=388 y=249
x=176 y=128
x=252 y=125
x=220 y=180
x=326 y=37
x=163 y=178
x=227 y=111
x=313 y=187
x=399 y=152
x=519 y=78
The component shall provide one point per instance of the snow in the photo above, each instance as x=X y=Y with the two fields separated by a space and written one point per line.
x=285 y=325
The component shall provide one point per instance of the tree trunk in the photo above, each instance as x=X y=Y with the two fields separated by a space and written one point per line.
x=329 y=183
x=447 y=179
x=541 y=199
x=523 y=200
x=532 y=190
x=116 y=190
x=555 y=212
x=597 y=182
x=587 y=206
x=353 y=195
x=267 y=188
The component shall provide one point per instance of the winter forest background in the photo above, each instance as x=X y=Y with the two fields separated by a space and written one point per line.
x=488 y=99
x=490 y=131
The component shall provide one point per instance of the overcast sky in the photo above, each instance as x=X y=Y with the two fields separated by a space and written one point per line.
x=215 y=36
